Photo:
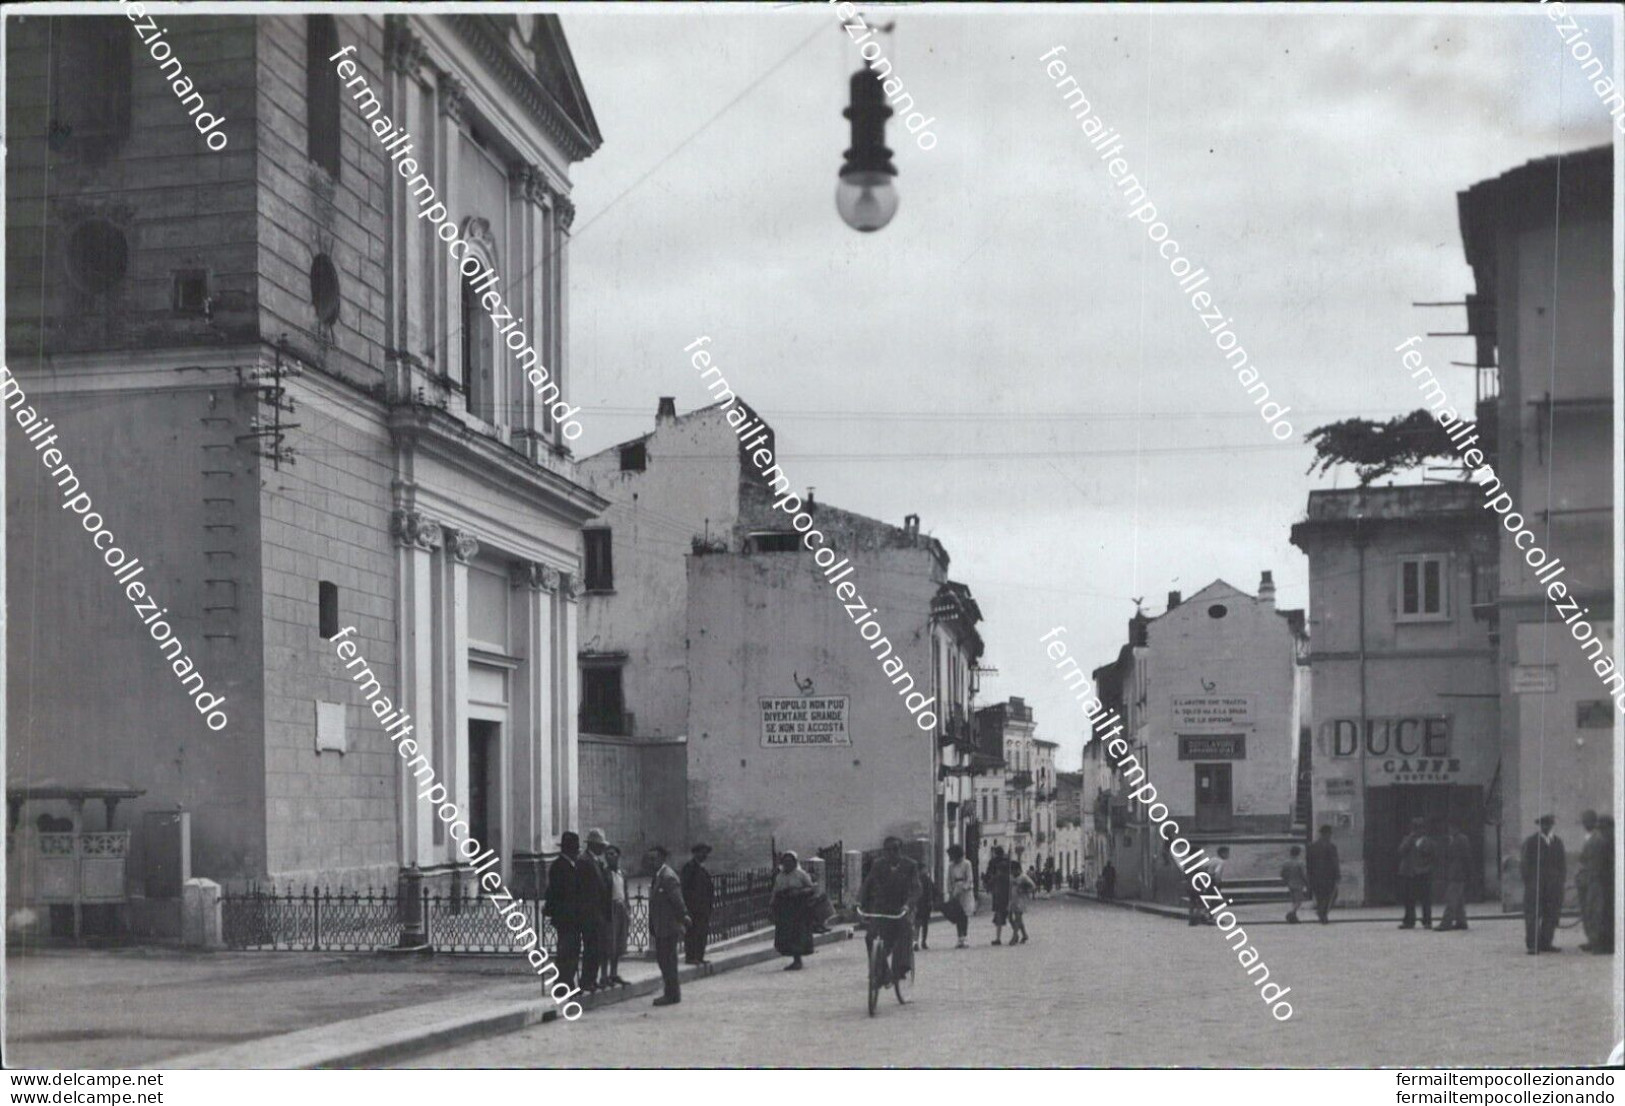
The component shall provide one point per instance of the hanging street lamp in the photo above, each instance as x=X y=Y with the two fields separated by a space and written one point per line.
x=866 y=197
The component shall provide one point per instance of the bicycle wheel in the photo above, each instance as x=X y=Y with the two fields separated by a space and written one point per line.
x=877 y=960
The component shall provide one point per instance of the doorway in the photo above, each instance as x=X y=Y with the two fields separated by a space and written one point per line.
x=483 y=788
x=1213 y=807
x=1388 y=815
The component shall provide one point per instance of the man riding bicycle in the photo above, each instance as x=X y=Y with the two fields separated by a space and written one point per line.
x=892 y=887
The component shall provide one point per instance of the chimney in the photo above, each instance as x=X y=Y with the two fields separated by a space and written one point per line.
x=667 y=411
x=811 y=502
x=911 y=528
x=1266 y=588
x=1173 y=599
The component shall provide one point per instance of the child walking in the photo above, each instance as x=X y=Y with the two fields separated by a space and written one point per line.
x=1021 y=895
x=1296 y=878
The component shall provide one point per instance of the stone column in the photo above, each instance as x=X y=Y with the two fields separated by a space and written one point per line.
x=451 y=96
x=403 y=54
x=566 y=213
x=566 y=748
x=417 y=537
x=532 y=707
x=451 y=678
x=536 y=303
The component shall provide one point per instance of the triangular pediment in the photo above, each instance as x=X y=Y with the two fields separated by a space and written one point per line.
x=556 y=69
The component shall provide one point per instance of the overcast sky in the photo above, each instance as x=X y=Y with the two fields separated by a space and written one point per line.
x=1009 y=358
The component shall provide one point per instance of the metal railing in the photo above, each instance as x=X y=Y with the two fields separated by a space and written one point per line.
x=322 y=920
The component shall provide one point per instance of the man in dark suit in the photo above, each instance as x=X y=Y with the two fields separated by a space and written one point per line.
x=1416 y=854
x=1458 y=865
x=571 y=902
x=668 y=917
x=598 y=930
x=1324 y=872
x=1543 y=868
x=698 y=893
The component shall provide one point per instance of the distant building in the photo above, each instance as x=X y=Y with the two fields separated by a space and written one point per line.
x=1406 y=706
x=1211 y=694
x=708 y=630
x=1044 y=795
x=1539 y=239
x=1004 y=795
x=1071 y=838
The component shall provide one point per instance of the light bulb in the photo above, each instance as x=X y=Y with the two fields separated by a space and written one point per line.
x=866 y=200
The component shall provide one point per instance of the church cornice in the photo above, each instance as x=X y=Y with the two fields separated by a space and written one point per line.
x=526 y=89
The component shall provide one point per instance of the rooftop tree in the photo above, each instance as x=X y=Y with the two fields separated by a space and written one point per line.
x=1377 y=449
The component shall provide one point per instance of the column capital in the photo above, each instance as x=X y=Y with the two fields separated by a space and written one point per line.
x=462 y=544
x=532 y=575
x=415 y=530
x=404 y=51
x=533 y=186
x=570 y=585
x=566 y=209
x=453 y=97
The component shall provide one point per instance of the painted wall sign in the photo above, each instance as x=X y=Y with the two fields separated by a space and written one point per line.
x=1209 y=713
x=1405 y=770
x=1416 y=736
x=809 y=720
x=1398 y=751
x=1226 y=747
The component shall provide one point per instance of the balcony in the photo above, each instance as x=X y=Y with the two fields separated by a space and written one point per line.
x=606 y=723
x=1021 y=781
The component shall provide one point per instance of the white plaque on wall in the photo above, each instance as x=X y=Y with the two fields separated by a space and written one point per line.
x=330 y=727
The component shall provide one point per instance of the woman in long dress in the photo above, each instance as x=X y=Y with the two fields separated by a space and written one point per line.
x=792 y=924
x=961 y=892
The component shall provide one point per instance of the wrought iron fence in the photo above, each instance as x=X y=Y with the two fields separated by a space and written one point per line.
x=834 y=858
x=318 y=920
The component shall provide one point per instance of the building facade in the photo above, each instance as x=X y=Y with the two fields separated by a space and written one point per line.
x=1539 y=240
x=279 y=389
x=1406 y=714
x=709 y=628
x=1044 y=797
x=1007 y=794
x=1211 y=694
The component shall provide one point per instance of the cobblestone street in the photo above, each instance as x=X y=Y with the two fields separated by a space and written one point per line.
x=1103 y=986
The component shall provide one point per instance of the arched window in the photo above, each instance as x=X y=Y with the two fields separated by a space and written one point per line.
x=480 y=365
x=479 y=355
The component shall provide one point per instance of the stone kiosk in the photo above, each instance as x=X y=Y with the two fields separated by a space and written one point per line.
x=56 y=861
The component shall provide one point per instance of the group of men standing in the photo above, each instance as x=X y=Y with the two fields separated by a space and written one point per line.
x=1426 y=852
x=1544 y=870
x=587 y=903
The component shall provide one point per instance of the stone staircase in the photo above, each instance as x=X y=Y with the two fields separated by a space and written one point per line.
x=1246 y=892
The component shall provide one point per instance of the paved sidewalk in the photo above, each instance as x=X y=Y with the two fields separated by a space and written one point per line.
x=1274 y=913
x=148 y=1008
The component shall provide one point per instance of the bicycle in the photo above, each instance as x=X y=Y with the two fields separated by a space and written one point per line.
x=880 y=962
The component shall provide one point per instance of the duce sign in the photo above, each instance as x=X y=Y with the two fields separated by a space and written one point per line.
x=804 y=721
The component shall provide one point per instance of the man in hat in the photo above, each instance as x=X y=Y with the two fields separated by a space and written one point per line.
x=1543 y=866
x=571 y=902
x=595 y=959
x=698 y=893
